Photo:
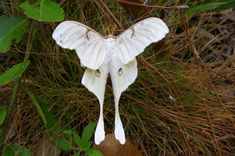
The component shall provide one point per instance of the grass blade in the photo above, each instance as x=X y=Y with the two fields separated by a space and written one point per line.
x=43 y=110
x=204 y=7
x=3 y=112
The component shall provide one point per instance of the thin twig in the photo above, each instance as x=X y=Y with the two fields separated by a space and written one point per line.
x=154 y=6
x=111 y=14
x=18 y=81
x=193 y=48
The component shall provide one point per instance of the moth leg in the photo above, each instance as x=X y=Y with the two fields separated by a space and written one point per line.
x=86 y=34
x=119 y=130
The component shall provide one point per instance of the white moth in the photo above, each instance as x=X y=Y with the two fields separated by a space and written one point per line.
x=114 y=55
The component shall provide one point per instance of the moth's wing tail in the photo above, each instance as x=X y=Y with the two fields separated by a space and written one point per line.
x=122 y=76
x=95 y=82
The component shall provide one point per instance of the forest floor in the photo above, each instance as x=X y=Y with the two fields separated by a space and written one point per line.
x=182 y=103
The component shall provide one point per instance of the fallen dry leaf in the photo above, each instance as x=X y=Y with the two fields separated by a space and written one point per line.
x=111 y=147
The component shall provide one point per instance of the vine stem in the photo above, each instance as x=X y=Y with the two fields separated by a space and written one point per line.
x=18 y=81
x=26 y=57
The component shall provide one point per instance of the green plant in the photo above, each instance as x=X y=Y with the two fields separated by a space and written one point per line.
x=73 y=142
x=2 y=114
x=12 y=30
x=13 y=73
x=45 y=10
x=209 y=6
x=197 y=120
x=47 y=116
x=15 y=150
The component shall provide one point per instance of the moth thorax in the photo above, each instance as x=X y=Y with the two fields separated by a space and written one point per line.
x=111 y=36
x=110 y=39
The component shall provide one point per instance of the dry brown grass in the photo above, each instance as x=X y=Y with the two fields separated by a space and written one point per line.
x=198 y=121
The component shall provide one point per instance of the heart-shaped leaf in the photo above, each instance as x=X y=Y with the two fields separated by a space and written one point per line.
x=46 y=10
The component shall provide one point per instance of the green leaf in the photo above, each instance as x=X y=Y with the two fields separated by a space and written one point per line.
x=77 y=140
x=43 y=110
x=15 y=150
x=25 y=152
x=204 y=7
x=88 y=132
x=76 y=154
x=93 y=152
x=229 y=4
x=81 y=144
x=86 y=145
x=8 y=151
x=68 y=133
x=11 y=29
x=46 y=10
x=63 y=144
x=14 y=72
x=3 y=112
